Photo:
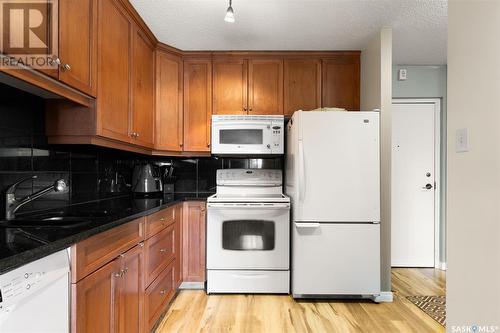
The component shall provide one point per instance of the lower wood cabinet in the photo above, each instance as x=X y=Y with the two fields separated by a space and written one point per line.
x=158 y=295
x=110 y=299
x=124 y=279
x=193 y=241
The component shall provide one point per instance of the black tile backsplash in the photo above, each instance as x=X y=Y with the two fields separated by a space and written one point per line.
x=88 y=170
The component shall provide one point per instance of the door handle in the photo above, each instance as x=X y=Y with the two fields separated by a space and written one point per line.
x=427 y=187
x=306 y=225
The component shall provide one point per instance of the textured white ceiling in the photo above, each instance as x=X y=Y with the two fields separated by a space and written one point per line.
x=419 y=26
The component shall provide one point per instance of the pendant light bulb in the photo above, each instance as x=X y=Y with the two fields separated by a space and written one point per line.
x=229 y=13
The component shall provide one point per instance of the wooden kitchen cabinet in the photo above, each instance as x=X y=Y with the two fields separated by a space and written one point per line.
x=341 y=82
x=197 y=105
x=143 y=84
x=93 y=305
x=111 y=298
x=302 y=85
x=169 y=116
x=78 y=44
x=252 y=86
x=178 y=244
x=193 y=241
x=230 y=86
x=130 y=290
x=114 y=63
x=265 y=86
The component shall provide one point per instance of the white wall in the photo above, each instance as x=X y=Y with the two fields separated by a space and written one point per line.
x=428 y=82
x=376 y=65
x=473 y=277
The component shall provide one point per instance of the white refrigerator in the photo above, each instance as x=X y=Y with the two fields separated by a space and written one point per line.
x=332 y=176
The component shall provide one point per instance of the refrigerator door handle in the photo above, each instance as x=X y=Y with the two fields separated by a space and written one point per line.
x=310 y=225
x=302 y=173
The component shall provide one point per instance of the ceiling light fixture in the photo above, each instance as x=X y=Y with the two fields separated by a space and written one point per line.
x=229 y=13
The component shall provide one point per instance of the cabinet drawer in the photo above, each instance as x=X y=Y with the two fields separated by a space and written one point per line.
x=159 y=221
x=159 y=293
x=159 y=252
x=94 y=252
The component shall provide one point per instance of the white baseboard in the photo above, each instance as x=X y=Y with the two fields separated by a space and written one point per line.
x=383 y=297
x=442 y=266
x=192 y=285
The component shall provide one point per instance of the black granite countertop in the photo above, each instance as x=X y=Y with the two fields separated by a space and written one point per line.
x=34 y=236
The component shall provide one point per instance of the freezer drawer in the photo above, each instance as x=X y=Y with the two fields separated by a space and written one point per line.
x=248 y=281
x=335 y=259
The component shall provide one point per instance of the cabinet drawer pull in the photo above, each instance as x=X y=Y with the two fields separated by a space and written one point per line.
x=163 y=250
x=162 y=219
x=163 y=292
x=67 y=67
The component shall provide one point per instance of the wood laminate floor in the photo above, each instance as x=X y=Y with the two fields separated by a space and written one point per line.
x=194 y=311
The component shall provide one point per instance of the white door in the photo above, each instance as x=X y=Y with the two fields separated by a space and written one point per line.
x=413 y=184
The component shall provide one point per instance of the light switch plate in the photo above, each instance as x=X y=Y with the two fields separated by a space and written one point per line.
x=402 y=74
x=461 y=140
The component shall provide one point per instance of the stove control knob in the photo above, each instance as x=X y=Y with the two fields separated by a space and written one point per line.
x=269 y=146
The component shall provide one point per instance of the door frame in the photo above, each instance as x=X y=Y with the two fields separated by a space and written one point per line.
x=437 y=167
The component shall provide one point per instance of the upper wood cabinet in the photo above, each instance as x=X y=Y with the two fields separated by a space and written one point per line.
x=169 y=117
x=302 y=85
x=230 y=86
x=341 y=82
x=265 y=86
x=248 y=86
x=197 y=105
x=143 y=90
x=78 y=44
x=114 y=63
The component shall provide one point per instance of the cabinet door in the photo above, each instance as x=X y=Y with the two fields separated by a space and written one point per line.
x=230 y=87
x=302 y=87
x=341 y=82
x=114 y=62
x=265 y=87
x=131 y=286
x=168 y=135
x=94 y=300
x=197 y=104
x=78 y=44
x=193 y=234
x=143 y=64
x=178 y=245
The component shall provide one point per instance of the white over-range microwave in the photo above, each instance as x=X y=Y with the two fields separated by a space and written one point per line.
x=245 y=134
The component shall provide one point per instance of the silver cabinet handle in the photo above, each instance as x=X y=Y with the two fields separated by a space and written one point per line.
x=162 y=292
x=163 y=250
x=57 y=60
x=67 y=67
x=136 y=135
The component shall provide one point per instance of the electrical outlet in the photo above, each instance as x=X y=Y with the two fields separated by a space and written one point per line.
x=461 y=140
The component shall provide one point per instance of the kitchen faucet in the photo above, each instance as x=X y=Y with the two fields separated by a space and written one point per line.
x=12 y=204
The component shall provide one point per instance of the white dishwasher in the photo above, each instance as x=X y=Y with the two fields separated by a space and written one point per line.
x=35 y=297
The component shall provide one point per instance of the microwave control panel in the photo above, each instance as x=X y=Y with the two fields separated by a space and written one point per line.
x=278 y=135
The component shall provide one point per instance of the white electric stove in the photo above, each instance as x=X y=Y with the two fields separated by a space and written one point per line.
x=248 y=233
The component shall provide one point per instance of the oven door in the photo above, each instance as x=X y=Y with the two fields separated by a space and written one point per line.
x=248 y=236
x=233 y=137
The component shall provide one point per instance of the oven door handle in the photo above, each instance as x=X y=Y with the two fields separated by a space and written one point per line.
x=250 y=206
